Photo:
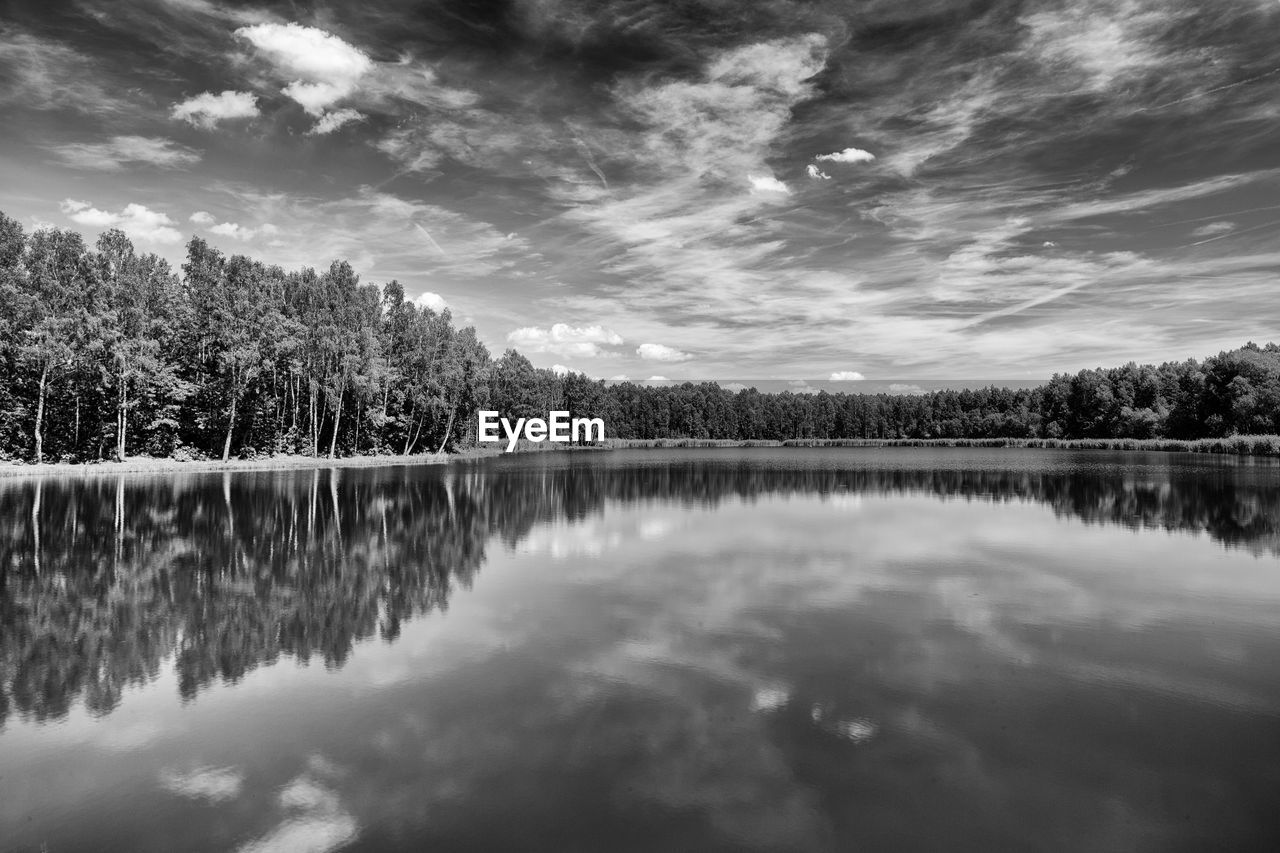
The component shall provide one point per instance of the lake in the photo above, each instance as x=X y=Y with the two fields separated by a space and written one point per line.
x=690 y=650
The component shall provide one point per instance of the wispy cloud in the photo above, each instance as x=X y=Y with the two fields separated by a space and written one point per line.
x=119 y=151
x=42 y=73
x=380 y=233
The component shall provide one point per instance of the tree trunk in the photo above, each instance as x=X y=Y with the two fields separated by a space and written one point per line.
x=122 y=418
x=231 y=422
x=337 y=421
x=39 y=435
x=412 y=443
x=315 y=429
x=448 y=428
x=408 y=433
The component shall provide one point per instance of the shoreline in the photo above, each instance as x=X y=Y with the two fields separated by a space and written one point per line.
x=1260 y=446
x=153 y=465
x=284 y=462
x=1237 y=445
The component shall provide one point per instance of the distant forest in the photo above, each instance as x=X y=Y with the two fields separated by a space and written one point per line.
x=107 y=353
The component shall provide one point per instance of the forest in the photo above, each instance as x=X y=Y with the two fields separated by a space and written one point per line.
x=108 y=353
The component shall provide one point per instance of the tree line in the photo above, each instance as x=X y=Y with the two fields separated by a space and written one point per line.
x=1232 y=393
x=106 y=352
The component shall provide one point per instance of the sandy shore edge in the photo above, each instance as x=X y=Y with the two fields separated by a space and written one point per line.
x=148 y=465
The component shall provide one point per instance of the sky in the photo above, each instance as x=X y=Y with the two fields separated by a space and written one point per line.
x=828 y=190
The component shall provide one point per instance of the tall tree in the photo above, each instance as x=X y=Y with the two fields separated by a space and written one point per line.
x=139 y=295
x=59 y=284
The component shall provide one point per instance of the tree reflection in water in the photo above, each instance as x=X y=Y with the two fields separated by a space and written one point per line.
x=103 y=581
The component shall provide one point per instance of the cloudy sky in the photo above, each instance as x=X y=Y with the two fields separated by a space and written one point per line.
x=693 y=188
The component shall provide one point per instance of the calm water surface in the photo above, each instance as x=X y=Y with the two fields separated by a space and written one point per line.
x=813 y=650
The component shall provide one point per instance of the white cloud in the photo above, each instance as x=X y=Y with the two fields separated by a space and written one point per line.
x=85 y=214
x=112 y=155
x=847 y=376
x=202 y=217
x=661 y=352
x=657 y=379
x=314 y=97
x=1213 y=228
x=236 y=231
x=331 y=121
x=767 y=184
x=561 y=370
x=848 y=155
x=816 y=173
x=136 y=220
x=801 y=386
x=207 y=109
x=621 y=377
x=432 y=301
x=566 y=340
x=307 y=53
x=321 y=67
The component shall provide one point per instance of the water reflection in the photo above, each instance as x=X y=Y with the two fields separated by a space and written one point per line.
x=104 y=581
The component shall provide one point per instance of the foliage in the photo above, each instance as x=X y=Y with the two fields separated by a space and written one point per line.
x=105 y=352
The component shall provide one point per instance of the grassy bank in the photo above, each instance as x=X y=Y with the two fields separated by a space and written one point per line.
x=666 y=443
x=1236 y=445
